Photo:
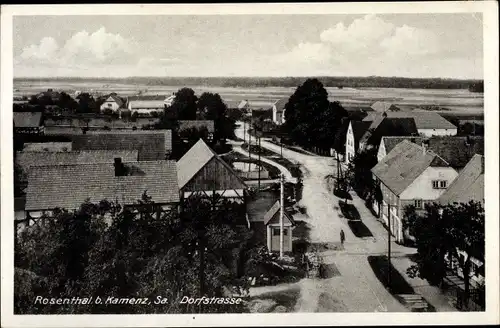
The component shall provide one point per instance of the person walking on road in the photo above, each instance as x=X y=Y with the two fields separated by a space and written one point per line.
x=342 y=237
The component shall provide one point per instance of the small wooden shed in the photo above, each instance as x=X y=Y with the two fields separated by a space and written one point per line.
x=272 y=223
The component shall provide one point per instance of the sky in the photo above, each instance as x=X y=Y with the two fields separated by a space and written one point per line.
x=405 y=45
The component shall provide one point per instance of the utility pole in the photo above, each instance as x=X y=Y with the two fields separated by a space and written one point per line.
x=260 y=163
x=389 y=246
x=281 y=146
x=250 y=140
x=282 y=210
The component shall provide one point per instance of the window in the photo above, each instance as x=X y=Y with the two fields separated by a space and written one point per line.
x=418 y=203
x=439 y=184
x=109 y=105
x=276 y=232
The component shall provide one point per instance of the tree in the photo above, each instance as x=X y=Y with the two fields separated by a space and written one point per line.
x=184 y=104
x=211 y=107
x=66 y=102
x=106 y=249
x=448 y=233
x=359 y=172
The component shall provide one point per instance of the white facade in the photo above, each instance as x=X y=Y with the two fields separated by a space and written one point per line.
x=381 y=151
x=169 y=101
x=350 y=146
x=437 y=132
x=424 y=186
x=278 y=116
x=110 y=103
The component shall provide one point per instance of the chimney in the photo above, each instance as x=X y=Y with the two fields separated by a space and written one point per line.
x=118 y=167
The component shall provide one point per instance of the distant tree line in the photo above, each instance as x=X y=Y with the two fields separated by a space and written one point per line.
x=328 y=81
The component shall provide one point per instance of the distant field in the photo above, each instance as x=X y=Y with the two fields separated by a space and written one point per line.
x=459 y=100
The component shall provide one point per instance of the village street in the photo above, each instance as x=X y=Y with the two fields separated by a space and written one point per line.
x=356 y=288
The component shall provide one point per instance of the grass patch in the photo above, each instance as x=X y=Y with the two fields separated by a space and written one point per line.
x=398 y=284
x=232 y=157
x=292 y=148
x=293 y=168
x=255 y=149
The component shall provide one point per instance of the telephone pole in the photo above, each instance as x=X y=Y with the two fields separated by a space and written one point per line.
x=260 y=163
x=282 y=210
x=389 y=246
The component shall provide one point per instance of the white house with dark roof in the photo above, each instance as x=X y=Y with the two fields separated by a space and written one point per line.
x=409 y=175
x=428 y=123
x=146 y=104
x=112 y=102
x=355 y=131
x=68 y=186
x=279 y=111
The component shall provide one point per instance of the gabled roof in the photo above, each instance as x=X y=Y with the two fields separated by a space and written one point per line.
x=198 y=124
x=27 y=119
x=146 y=104
x=68 y=186
x=280 y=104
x=423 y=119
x=147 y=97
x=52 y=124
x=468 y=185
x=151 y=144
x=195 y=159
x=243 y=104
x=456 y=150
x=404 y=164
x=387 y=126
x=383 y=106
x=116 y=99
x=358 y=129
x=29 y=159
x=274 y=212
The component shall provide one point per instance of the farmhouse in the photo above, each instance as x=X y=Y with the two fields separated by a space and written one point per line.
x=386 y=126
x=409 y=175
x=28 y=123
x=151 y=144
x=279 y=111
x=201 y=171
x=355 y=131
x=428 y=123
x=68 y=186
x=456 y=150
x=146 y=105
x=112 y=102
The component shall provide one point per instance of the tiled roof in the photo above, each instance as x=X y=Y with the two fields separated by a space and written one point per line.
x=146 y=104
x=383 y=106
x=27 y=119
x=404 y=164
x=468 y=185
x=147 y=97
x=273 y=211
x=151 y=144
x=198 y=124
x=387 y=126
x=68 y=186
x=280 y=104
x=28 y=159
x=456 y=150
x=78 y=123
x=423 y=119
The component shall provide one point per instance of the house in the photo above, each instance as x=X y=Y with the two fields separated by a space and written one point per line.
x=152 y=145
x=185 y=125
x=76 y=124
x=279 y=111
x=456 y=150
x=387 y=126
x=428 y=123
x=27 y=159
x=355 y=131
x=409 y=175
x=112 y=102
x=146 y=105
x=28 y=123
x=202 y=171
x=468 y=186
x=341 y=139
x=244 y=106
x=383 y=106
x=68 y=186
x=168 y=101
x=272 y=224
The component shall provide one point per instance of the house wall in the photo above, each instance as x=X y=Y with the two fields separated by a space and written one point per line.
x=350 y=149
x=421 y=187
x=274 y=238
x=381 y=152
x=109 y=105
x=437 y=132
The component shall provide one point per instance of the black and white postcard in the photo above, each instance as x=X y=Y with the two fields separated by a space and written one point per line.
x=249 y=164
